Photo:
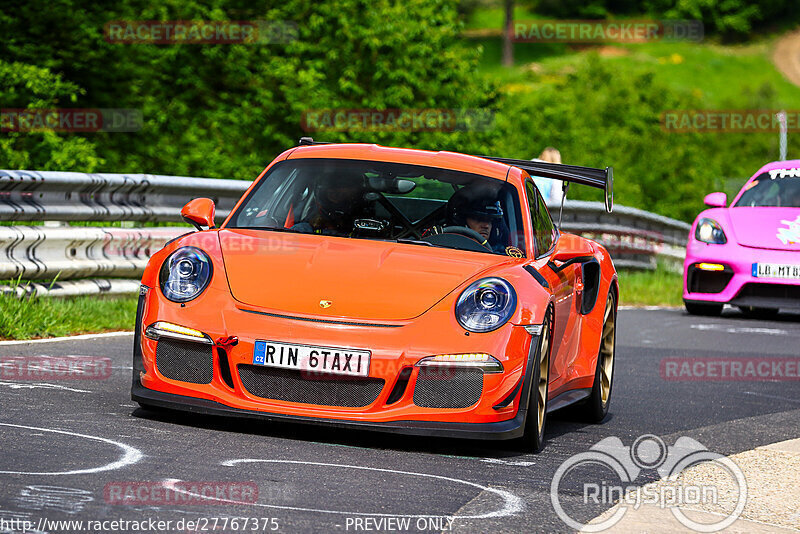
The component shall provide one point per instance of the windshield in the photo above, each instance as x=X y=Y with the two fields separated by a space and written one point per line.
x=386 y=201
x=778 y=188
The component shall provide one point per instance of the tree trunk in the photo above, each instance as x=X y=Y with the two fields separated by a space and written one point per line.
x=508 y=34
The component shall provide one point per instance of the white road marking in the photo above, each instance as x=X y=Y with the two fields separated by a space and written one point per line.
x=741 y=329
x=648 y=308
x=62 y=499
x=41 y=385
x=511 y=503
x=518 y=463
x=131 y=454
x=67 y=338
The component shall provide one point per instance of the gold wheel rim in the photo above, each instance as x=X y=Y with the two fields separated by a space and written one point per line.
x=607 y=351
x=544 y=376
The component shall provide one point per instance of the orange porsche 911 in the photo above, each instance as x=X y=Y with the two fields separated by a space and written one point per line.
x=389 y=289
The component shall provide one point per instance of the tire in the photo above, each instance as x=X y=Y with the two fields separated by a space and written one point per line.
x=759 y=313
x=536 y=415
x=703 y=308
x=596 y=407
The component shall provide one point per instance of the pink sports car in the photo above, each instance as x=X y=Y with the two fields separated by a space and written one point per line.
x=748 y=254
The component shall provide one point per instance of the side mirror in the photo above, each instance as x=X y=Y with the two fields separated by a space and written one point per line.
x=199 y=212
x=571 y=247
x=716 y=200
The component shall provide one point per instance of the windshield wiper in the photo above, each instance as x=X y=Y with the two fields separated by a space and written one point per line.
x=273 y=228
x=415 y=242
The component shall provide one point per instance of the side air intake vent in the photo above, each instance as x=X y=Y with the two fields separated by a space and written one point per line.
x=185 y=361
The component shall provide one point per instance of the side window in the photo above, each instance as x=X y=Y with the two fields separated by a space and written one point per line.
x=544 y=231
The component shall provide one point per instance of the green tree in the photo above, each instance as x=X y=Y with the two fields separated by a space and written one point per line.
x=28 y=87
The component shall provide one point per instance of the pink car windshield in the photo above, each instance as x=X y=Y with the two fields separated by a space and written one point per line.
x=779 y=188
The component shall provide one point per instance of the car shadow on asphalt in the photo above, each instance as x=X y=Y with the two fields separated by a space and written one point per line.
x=565 y=421
x=737 y=315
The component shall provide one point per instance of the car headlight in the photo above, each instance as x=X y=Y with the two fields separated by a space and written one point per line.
x=486 y=305
x=185 y=274
x=710 y=231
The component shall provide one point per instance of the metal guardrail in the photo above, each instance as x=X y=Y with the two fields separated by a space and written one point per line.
x=73 y=288
x=635 y=238
x=76 y=196
x=42 y=253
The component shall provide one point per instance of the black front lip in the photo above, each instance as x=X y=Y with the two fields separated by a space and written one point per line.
x=501 y=430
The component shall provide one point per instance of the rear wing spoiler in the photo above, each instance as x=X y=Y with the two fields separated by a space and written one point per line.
x=599 y=178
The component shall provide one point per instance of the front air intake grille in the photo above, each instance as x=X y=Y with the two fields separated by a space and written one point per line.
x=700 y=281
x=768 y=295
x=448 y=387
x=185 y=361
x=325 y=390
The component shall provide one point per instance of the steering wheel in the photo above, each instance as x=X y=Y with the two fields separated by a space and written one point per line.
x=468 y=232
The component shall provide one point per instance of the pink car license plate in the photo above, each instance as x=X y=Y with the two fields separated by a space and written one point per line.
x=776 y=270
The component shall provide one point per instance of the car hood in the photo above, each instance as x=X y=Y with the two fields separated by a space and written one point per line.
x=766 y=227
x=360 y=279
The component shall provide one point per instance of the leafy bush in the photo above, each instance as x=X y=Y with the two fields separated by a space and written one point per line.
x=227 y=110
x=26 y=86
x=730 y=18
x=610 y=114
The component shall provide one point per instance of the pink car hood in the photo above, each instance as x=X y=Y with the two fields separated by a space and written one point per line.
x=767 y=227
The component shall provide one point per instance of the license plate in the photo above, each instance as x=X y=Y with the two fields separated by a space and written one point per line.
x=776 y=270
x=310 y=358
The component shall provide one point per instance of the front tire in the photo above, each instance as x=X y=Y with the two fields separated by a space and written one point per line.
x=536 y=416
x=710 y=309
x=600 y=397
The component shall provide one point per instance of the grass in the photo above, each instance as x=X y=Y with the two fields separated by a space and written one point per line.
x=52 y=317
x=704 y=68
x=650 y=288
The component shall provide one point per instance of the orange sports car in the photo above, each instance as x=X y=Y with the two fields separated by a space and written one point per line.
x=389 y=289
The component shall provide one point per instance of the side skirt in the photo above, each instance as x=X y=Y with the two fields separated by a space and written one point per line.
x=567 y=398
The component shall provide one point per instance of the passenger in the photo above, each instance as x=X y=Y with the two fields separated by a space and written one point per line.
x=338 y=201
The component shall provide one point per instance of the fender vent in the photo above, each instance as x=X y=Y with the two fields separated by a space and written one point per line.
x=185 y=361
x=448 y=387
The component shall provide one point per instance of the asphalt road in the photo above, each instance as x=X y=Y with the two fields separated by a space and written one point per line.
x=67 y=445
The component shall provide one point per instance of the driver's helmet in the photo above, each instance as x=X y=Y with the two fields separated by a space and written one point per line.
x=338 y=196
x=475 y=203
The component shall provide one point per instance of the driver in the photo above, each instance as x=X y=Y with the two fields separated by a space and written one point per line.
x=477 y=209
x=337 y=202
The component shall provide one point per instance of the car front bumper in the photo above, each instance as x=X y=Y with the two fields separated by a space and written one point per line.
x=736 y=285
x=499 y=413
